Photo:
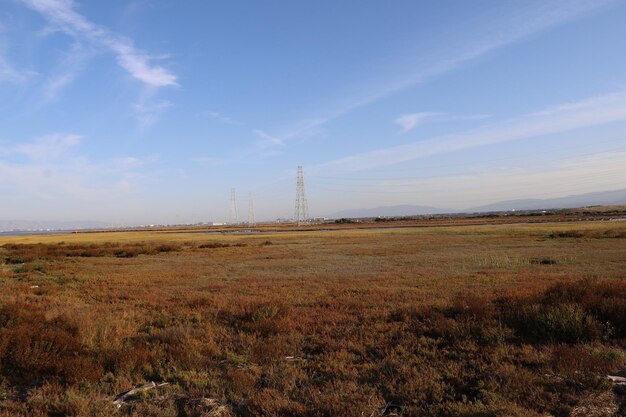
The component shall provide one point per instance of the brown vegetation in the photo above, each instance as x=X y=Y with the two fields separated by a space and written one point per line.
x=473 y=321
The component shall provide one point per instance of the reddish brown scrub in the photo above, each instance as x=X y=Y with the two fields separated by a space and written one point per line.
x=457 y=321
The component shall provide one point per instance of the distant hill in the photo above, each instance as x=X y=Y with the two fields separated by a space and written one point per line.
x=10 y=225
x=605 y=198
x=390 y=211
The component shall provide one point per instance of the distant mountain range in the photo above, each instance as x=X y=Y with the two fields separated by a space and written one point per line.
x=605 y=198
x=390 y=211
x=10 y=225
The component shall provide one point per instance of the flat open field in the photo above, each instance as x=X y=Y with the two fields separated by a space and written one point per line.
x=491 y=320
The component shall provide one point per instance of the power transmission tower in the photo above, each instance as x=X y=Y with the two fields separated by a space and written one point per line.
x=233 y=206
x=250 y=211
x=302 y=210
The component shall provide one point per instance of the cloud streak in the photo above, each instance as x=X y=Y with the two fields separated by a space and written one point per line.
x=64 y=17
x=411 y=120
x=224 y=119
x=70 y=66
x=49 y=169
x=268 y=140
x=8 y=73
x=600 y=171
x=578 y=175
x=47 y=147
x=148 y=111
x=530 y=22
x=590 y=112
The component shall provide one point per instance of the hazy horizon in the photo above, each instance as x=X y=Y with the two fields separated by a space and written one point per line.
x=140 y=112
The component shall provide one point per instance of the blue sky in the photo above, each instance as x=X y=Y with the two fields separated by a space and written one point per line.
x=147 y=111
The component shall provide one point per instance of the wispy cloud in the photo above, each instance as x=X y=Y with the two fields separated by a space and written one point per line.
x=63 y=15
x=263 y=145
x=597 y=172
x=51 y=167
x=590 y=112
x=411 y=120
x=138 y=64
x=577 y=175
x=528 y=23
x=47 y=147
x=302 y=130
x=127 y=162
x=8 y=71
x=75 y=179
x=148 y=110
x=224 y=119
x=72 y=63
x=268 y=140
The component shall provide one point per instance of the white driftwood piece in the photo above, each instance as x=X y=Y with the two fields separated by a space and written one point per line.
x=119 y=400
x=617 y=379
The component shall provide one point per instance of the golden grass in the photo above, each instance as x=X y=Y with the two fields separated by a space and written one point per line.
x=196 y=233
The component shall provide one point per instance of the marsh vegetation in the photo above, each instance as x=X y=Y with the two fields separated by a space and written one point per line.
x=457 y=321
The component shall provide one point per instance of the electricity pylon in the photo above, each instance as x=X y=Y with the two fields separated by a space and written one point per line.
x=301 y=214
x=233 y=206
x=250 y=211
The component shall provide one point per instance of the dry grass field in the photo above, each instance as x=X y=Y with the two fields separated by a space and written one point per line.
x=493 y=320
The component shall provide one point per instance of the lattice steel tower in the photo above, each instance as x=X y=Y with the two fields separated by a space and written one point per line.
x=233 y=206
x=250 y=211
x=301 y=214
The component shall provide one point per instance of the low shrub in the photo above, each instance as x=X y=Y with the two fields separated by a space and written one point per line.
x=167 y=248
x=10 y=260
x=566 y=234
x=567 y=323
x=33 y=349
x=213 y=245
x=570 y=312
x=614 y=234
x=543 y=261
x=22 y=253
